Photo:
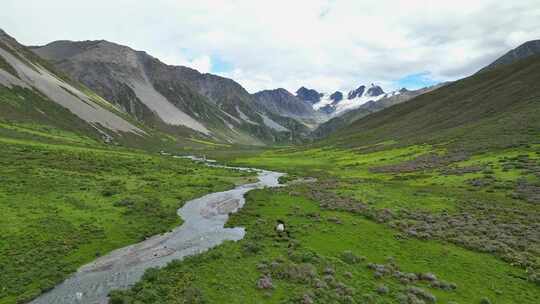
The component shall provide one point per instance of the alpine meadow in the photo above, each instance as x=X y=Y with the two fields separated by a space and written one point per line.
x=302 y=152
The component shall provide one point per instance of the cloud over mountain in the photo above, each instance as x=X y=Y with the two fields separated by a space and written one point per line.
x=318 y=43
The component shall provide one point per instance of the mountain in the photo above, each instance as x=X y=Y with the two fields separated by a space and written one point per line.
x=335 y=104
x=282 y=102
x=324 y=113
x=308 y=95
x=367 y=108
x=498 y=108
x=32 y=91
x=336 y=97
x=314 y=108
x=523 y=51
x=166 y=97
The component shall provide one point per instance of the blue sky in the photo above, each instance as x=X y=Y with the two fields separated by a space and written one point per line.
x=416 y=81
x=220 y=66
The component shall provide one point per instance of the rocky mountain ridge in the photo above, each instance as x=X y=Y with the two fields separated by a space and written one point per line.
x=527 y=49
x=337 y=103
x=135 y=92
x=167 y=97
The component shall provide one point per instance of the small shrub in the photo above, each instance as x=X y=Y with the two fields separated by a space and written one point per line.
x=485 y=301
x=428 y=277
x=151 y=275
x=251 y=248
x=307 y=299
x=116 y=297
x=329 y=271
x=423 y=294
x=193 y=295
x=265 y=282
x=382 y=289
x=349 y=257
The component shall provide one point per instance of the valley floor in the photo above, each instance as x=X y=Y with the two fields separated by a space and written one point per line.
x=379 y=224
x=393 y=225
x=66 y=200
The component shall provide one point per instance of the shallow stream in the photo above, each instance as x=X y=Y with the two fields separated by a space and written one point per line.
x=203 y=228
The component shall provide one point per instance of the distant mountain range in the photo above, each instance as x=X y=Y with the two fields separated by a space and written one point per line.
x=337 y=103
x=496 y=109
x=325 y=113
x=365 y=108
x=111 y=91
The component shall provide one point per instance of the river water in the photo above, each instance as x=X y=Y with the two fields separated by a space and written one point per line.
x=202 y=229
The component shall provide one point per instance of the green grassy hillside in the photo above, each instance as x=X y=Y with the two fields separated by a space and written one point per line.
x=495 y=109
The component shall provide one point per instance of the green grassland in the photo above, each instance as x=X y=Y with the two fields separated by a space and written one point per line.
x=321 y=249
x=423 y=214
x=64 y=203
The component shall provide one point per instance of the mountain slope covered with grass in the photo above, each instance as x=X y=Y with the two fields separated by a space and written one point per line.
x=32 y=91
x=494 y=109
x=340 y=122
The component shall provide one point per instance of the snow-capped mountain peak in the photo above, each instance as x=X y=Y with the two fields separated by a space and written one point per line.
x=336 y=97
x=336 y=104
x=308 y=95
x=357 y=93
x=374 y=91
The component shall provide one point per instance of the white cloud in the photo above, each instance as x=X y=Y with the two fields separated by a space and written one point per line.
x=324 y=44
x=203 y=63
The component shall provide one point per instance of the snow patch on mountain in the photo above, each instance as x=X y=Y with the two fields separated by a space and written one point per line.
x=338 y=103
x=351 y=104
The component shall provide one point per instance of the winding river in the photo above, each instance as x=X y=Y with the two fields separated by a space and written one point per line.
x=203 y=228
